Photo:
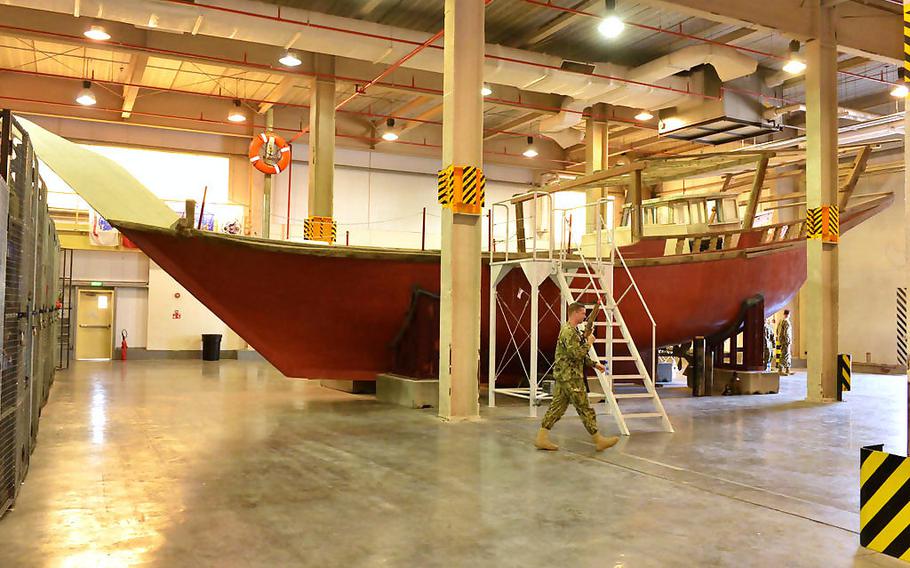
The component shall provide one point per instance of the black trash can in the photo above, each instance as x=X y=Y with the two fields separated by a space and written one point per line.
x=211 y=346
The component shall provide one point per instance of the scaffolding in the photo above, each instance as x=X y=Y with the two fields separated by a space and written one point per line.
x=580 y=272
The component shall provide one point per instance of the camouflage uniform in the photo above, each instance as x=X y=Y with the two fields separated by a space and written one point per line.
x=784 y=339
x=571 y=358
x=770 y=342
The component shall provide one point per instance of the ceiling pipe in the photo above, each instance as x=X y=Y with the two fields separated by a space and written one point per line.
x=332 y=35
x=849 y=134
x=728 y=65
x=683 y=35
x=218 y=123
x=842 y=112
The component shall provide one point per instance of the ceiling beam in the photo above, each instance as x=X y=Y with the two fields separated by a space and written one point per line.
x=861 y=29
x=557 y=24
x=285 y=86
x=133 y=74
x=516 y=122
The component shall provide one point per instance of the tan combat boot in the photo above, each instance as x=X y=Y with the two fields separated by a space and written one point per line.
x=543 y=441
x=601 y=443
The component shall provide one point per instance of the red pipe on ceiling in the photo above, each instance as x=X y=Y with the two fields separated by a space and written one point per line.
x=227 y=123
x=684 y=35
x=355 y=80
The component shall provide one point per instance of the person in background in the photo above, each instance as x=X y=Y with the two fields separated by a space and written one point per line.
x=770 y=343
x=571 y=358
x=784 y=341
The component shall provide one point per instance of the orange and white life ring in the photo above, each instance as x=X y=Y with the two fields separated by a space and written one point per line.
x=265 y=164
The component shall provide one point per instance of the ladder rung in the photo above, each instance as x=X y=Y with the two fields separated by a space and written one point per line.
x=603 y=323
x=633 y=395
x=623 y=358
x=623 y=377
x=643 y=415
x=584 y=290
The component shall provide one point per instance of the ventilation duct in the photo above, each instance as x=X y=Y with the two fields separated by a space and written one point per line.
x=732 y=117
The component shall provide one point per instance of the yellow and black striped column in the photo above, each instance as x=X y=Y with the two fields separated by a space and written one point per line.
x=884 y=496
x=462 y=189
x=901 y=327
x=823 y=223
x=844 y=374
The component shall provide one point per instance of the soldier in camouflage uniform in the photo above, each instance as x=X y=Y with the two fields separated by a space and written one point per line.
x=571 y=358
x=784 y=341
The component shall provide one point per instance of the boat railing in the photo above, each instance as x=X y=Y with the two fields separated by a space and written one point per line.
x=508 y=227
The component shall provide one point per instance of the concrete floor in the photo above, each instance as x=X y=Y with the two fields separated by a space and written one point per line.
x=184 y=463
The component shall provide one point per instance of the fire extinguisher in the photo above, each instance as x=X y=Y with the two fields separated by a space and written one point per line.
x=123 y=345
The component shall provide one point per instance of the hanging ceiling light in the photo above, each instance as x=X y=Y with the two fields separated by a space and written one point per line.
x=236 y=114
x=289 y=59
x=86 y=97
x=390 y=135
x=486 y=91
x=795 y=65
x=97 y=33
x=530 y=152
x=612 y=25
x=644 y=116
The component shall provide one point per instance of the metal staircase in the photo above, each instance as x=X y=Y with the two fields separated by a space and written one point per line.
x=592 y=284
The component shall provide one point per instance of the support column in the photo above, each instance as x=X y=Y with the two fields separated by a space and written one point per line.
x=462 y=145
x=635 y=197
x=597 y=142
x=267 y=186
x=322 y=138
x=821 y=189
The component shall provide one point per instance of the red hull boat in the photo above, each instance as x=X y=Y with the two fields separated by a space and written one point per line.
x=320 y=312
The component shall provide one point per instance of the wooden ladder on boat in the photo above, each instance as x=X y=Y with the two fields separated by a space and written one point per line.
x=589 y=283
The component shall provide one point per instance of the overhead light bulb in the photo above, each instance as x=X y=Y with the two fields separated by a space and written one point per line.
x=486 y=91
x=644 y=116
x=97 y=33
x=290 y=60
x=611 y=27
x=236 y=114
x=900 y=91
x=86 y=97
x=390 y=135
x=795 y=65
x=530 y=152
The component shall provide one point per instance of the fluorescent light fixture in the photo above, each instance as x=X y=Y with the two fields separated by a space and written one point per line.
x=900 y=91
x=531 y=152
x=486 y=91
x=390 y=135
x=86 y=97
x=795 y=65
x=289 y=59
x=644 y=115
x=97 y=33
x=236 y=114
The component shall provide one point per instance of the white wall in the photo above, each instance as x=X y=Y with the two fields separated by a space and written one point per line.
x=131 y=314
x=167 y=333
x=871 y=267
x=379 y=198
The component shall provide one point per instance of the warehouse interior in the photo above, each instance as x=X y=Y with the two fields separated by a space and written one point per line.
x=312 y=283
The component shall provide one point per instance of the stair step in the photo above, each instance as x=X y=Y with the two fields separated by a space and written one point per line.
x=624 y=358
x=632 y=395
x=624 y=377
x=603 y=323
x=643 y=415
x=616 y=340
